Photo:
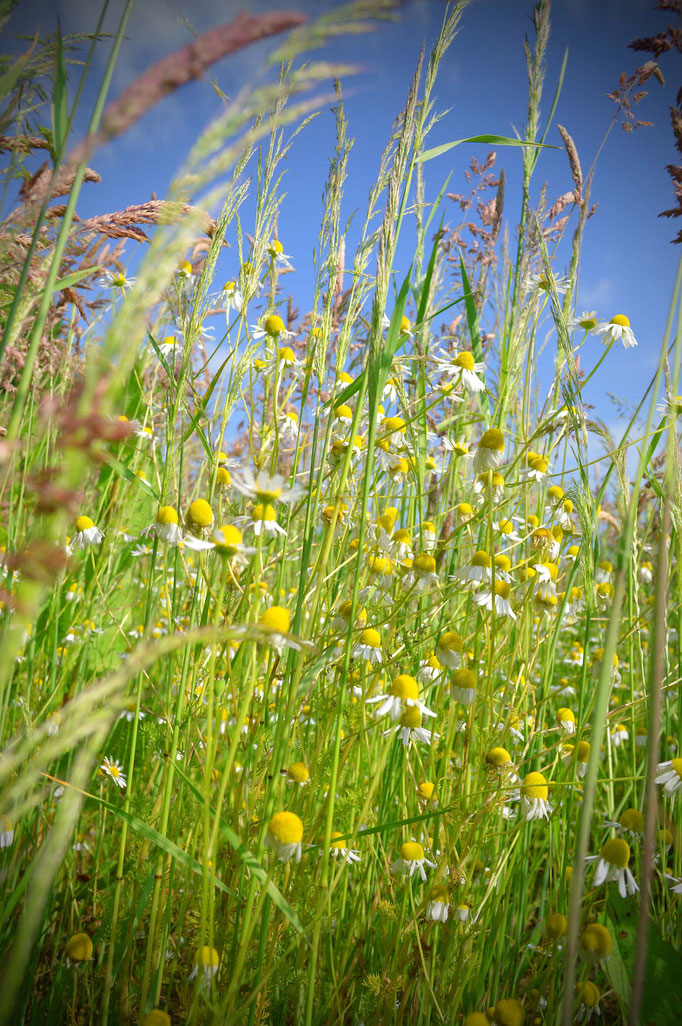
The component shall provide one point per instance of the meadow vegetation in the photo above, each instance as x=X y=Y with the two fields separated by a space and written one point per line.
x=339 y=652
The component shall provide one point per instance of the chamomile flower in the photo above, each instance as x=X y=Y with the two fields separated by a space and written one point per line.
x=226 y=541
x=587 y=999
x=410 y=729
x=423 y=574
x=266 y=488
x=462 y=369
x=580 y=754
x=231 y=298
x=298 y=773
x=262 y=520
x=565 y=720
x=272 y=328
x=78 y=948
x=276 y=621
x=542 y=283
x=534 y=793
x=278 y=257
x=498 y=595
x=285 y=835
x=166 y=527
x=6 y=832
x=86 y=534
x=586 y=321
x=508 y=1012
x=114 y=769
x=404 y=693
x=669 y=774
x=617 y=330
x=412 y=860
x=169 y=346
x=205 y=964
x=199 y=516
x=595 y=943
x=612 y=865
x=463 y=686
x=430 y=670
x=478 y=571
x=368 y=648
x=450 y=649
x=439 y=904
x=116 y=280
x=490 y=452
x=630 y=823
x=338 y=849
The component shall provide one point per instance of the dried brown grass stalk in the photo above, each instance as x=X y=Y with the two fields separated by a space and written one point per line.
x=183 y=66
x=124 y=224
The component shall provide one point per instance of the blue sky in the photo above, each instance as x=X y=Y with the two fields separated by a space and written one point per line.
x=628 y=262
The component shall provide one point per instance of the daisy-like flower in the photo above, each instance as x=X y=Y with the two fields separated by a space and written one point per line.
x=368 y=647
x=565 y=719
x=116 y=280
x=266 y=488
x=276 y=620
x=405 y=325
x=338 y=849
x=298 y=773
x=534 y=793
x=449 y=649
x=263 y=520
x=401 y=545
x=595 y=943
x=271 y=327
x=630 y=822
x=478 y=571
x=580 y=754
x=612 y=865
x=587 y=999
x=166 y=527
x=199 y=516
x=410 y=728
x=278 y=256
x=499 y=593
x=672 y=405
x=463 y=686
x=6 y=832
x=669 y=774
x=462 y=369
x=226 y=541
x=604 y=572
x=428 y=536
x=205 y=962
x=342 y=617
x=536 y=470
x=508 y=1012
x=114 y=769
x=169 y=346
x=499 y=760
x=439 y=904
x=490 y=452
x=619 y=735
x=541 y=282
x=617 y=330
x=586 y=321
x=184 y=271
x=86 y=534
x=285 y=835
x=231 y=298
x=411 y=860
x=430 y=670
x=380 y=570
x=404 y=693
x=423 y=574
x=78 y=948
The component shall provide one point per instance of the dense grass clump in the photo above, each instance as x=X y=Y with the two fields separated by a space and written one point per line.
x=335 y=685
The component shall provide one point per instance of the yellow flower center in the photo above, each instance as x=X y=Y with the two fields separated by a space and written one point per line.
x=207 y=957
x=425 y=563
x=534 y=786
x=401 y=536
x=79 y=947
x=492 y=439
x=481 y=558
x=503 y=562
x=276 y=618
x=565 y=716
x=405 y=324
x=502 y=588
x=83 y=523
x=227 y=539
x=425 y=790
x=498 y=757
x=276 y=247
x=411 y=717
x=677 y=766
x=199 y=514
x=166 y=515
x=451 y=641
x=343 y=412
x=632 y=819
x=263 y=511
x=286 y=355
x=371 y=638
x=380 y=565
x=596 y=939
x=463 y=678
x=394 y=424
x=411 y=851
x=286 y=828
x=465 y=361
x=405 y=686
x=508 y=1012
x=621 y=320
x=273 y=325
x=298 y=771
x=555 y=493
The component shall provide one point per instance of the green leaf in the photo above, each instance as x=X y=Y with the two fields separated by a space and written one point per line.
x=491 y=140
x=123 y=471
x=662 y=992
x=250 y=861
x=472 y=321
x=72 y=279
x=162 y=842
x=11 y=76
x=60 y=109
